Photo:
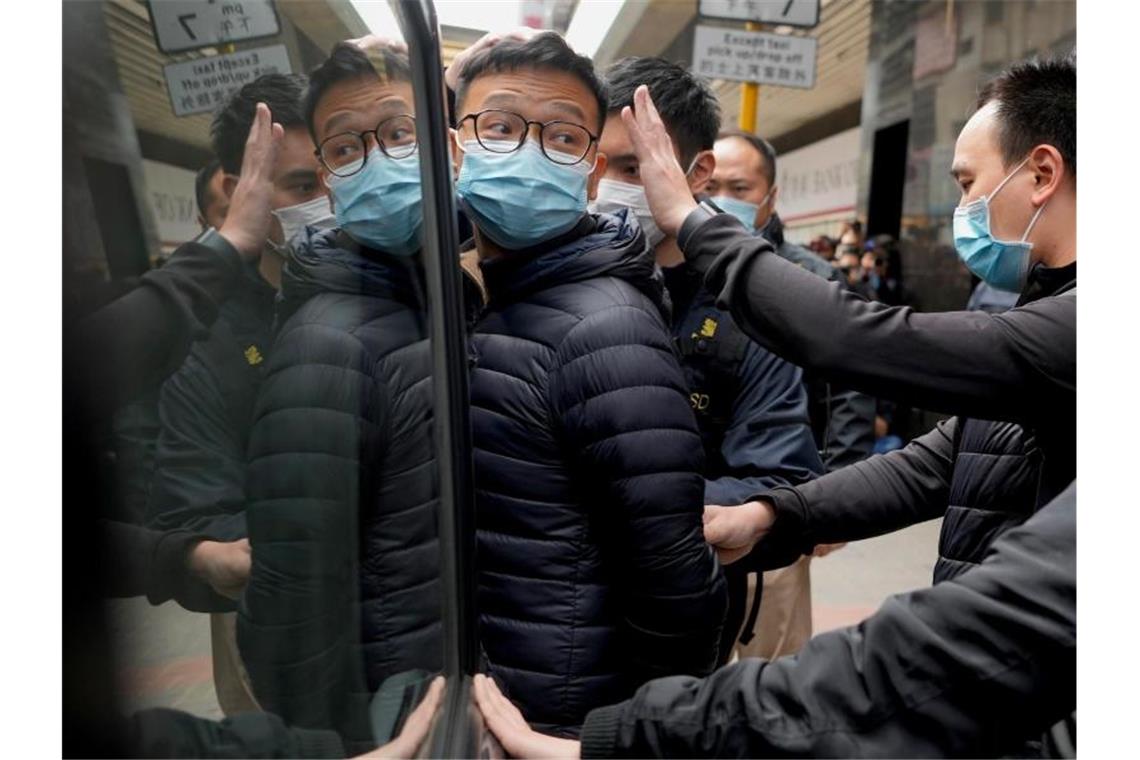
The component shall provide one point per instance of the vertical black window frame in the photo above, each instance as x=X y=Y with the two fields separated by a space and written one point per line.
x=458 y=729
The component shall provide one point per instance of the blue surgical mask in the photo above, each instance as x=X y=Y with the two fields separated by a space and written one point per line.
x=523 y=198
x=1004 y=264
x=743 y=210
x=381 y=206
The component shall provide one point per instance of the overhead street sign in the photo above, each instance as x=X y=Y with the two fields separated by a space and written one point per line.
x=192 y=24
x=201 y=85
x=761 y=57
x=803 y=13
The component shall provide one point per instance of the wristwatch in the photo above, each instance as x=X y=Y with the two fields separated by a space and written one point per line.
x=704 y=211
x=213 y=240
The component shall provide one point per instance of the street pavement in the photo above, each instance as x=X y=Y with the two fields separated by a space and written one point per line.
x=164 y=652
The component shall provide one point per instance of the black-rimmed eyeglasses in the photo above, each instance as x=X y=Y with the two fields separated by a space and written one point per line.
x=563 y=142
x=345 y=154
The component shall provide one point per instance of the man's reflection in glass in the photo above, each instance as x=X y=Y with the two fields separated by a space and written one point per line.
x=339 y=625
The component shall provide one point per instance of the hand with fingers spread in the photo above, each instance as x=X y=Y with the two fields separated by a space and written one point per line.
x=455 y=70
x=666 y=187
x=247 y=221
x=511 y=729
x=734 y=531
x=416 y=727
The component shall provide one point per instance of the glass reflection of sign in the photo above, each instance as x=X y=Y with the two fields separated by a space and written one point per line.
x=779 y=59
x=201 y=85
x=193 y=24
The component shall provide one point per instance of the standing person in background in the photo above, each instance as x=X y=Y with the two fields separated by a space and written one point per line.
x=752 y=407
x=744 y=185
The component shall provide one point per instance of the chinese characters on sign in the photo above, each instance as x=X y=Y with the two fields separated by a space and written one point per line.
x=720 y=53
x=192 y=24
x=803 y=13
x=202 y=84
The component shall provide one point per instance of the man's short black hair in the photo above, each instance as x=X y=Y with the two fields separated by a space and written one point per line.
x=546 y=51
x=348 y=62
x=1036 y=104
x=202 y=184
x=761 y=146
x=686 y=102
x=230 y=128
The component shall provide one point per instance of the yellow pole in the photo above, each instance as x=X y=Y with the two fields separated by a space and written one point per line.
x=749 y=95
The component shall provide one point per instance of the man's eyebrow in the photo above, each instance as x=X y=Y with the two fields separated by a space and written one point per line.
x=957 y=170
x=568 y=108
x=300 y=174
x=499 y=99
x=393 y=104
x=622 y=158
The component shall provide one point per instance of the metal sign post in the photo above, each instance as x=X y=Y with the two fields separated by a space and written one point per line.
x=749 y=95
x=752 y=57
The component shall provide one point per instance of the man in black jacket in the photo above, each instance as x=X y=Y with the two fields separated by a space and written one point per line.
x=593 y=574
x=744 y=185
x=343 y=596
x=967 y=668
x=751 y=405
x=1010 y=378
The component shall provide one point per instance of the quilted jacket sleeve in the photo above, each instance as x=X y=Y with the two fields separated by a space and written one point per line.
x=972 y=667
x=319 y=414
x=627 y=424
x=869 y=498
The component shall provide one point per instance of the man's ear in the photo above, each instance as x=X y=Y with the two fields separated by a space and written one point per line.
x=703 y=167
x=1049 y=172
x=456 y=153
x=596 y=176
x=772 y=198
x=229 y=184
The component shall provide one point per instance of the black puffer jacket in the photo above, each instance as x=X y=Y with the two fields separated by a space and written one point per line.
x=969 y=668
x=343 y=497
x=1004 y=472
x=594 y=574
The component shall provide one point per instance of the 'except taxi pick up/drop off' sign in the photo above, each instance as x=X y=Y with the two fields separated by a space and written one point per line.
x=202 y=84
x=779 y=59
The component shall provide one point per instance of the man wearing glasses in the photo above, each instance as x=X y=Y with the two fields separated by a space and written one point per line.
x=343 y=595
x=593 y=571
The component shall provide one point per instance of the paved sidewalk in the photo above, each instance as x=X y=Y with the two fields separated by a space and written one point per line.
x=850 y=584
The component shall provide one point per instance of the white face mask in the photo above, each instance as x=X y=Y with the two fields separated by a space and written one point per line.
x=614 y=195
x=314 y=213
